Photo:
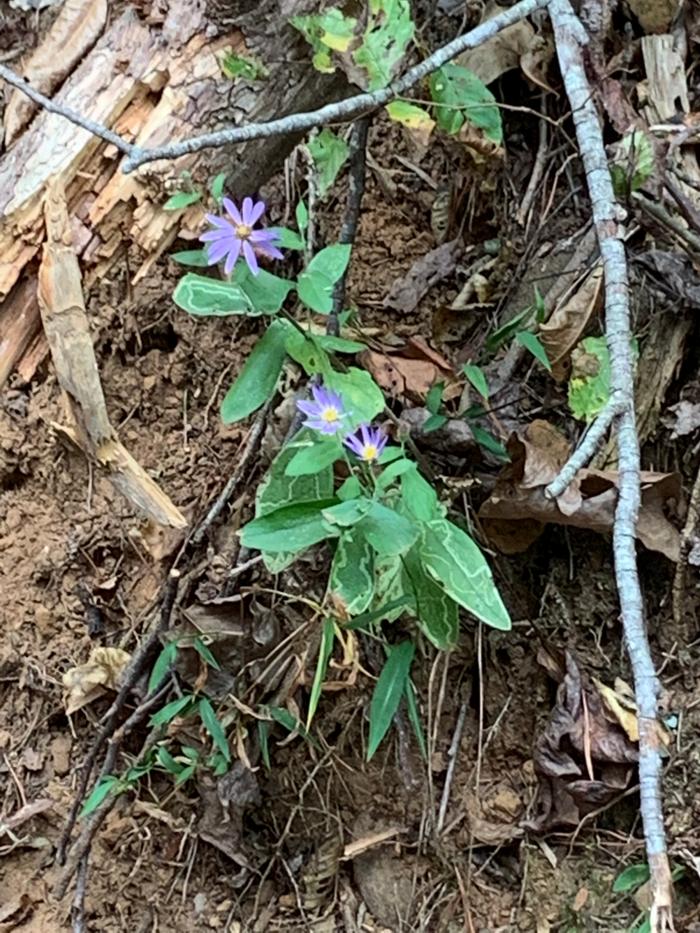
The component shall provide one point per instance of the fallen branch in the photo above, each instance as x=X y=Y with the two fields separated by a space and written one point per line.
x=570 y=38
x=67 y=330
x=343 y=110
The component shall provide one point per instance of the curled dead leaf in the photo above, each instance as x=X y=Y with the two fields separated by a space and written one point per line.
x=565 y=328
x=101 y=672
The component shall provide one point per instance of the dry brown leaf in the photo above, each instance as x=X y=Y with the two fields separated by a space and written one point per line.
x=411 y=372
x=494 y=817
x=564 y=329
x=578 y=727
x=408 y=290
x=101 y=672
x=517 y=46
x=622 y=705
x=590 y=501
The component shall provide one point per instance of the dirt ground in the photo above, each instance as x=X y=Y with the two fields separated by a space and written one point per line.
x=79 y=570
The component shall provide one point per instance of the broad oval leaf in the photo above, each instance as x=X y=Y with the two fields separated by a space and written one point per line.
x=351 y=581
x=386 y=531
x=362 y=396
x=460 y=95
x=329 y=153
x=457 y=565
x=290 y=529
x=313 y=458
x=316 y=282
x=388 y=692
x=257 y=380
x=437 y=613
x=204 y=297
x=265 y=292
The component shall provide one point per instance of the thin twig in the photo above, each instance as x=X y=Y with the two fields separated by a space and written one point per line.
x=136 y=667
x=348 y=231
x=687 y=536
x=453 y=755
x=533 y=186
x=78 y=912
x=570 y=37
x=343 y=110
x=249 y=452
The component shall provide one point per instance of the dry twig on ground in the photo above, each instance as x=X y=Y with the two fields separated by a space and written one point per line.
x=571 y=38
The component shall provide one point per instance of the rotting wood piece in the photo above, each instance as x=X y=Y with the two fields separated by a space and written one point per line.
x=67 y=331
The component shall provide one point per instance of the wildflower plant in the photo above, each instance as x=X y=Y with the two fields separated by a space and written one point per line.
x=340 y=481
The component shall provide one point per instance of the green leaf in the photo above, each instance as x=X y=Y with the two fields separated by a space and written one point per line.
x=302 y=216
x=350 y=488
x=504 y=333
x=161 y=668
x=235 y=66
x=475 y=375
x=216 y=189
x=205 y=653
x=327 y=31
x=589 y=382
x=362 y=396
x=339 y=344
x=316 y=282
x=395 y=469
x=100 y=791
x=387 y=532
x=290 y=722
x=166 y=760
x=419 y=496
x=631 y=878
x=190 y=257
x=306 y=351
x=633 y=165
x=532 y=343
x=324 y=652
x=314 y=457
x=388 y=692
x=211 y=723
x=348 y=512
x=265 y=292
x=184 y=776
x=433 y=400
x=351 y=581
x=414 y=717
x=434 y=423
x=389 y=31
x=203 y=296
x=488 y=442
x=437 y=613
x=457 y=565
x=181 y=200
x=168 y=712
x=414 y=118
x=329 y=153
x=387 y=611
x=460 y=95
x=257 y=380
x=264 y=738
x=277 y=489
x=289 y=239
x=389 y=454
x=290 y=529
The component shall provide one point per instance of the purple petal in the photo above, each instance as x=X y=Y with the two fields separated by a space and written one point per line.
x=250 y=258
x=232 y=210
x=247 y=211
x=218 y=221
x=257 y=212
x=382 y=443
x=217 y=251
x=263 y=236
x=327 y=399
x=328 y=427
x=234 y=252
x=308 y=408
x=212 y=235
x=266 y=249
x=354 y=444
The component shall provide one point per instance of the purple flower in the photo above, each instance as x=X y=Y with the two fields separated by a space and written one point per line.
x=369 y=445
x=325 y=413
x=230 y=237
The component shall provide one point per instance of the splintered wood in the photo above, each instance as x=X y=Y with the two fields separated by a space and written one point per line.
x=67 y=331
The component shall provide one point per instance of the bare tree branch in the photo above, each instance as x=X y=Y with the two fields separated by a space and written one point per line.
x=570 y=36
x=343 y=110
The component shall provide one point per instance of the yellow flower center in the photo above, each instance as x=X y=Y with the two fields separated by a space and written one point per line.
x=330 y=414
x=370 y=452
x=243 y=231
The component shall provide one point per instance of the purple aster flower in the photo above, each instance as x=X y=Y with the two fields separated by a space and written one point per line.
x=369 y=445
x=232 y=236
x=325 y=413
